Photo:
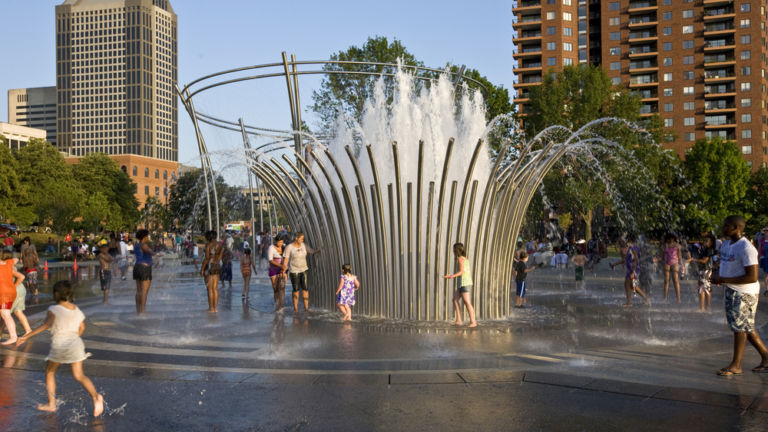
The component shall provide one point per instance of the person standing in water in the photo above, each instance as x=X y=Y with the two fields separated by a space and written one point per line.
x=277 y=271
x=672 y=257
x=465 y=286
x=246 y=264
x=345 y=293
x=631 y=260
x=142 y=269
x=295 y=256
x=211 y=269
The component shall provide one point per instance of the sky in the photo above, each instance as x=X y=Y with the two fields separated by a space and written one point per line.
x=223 y=34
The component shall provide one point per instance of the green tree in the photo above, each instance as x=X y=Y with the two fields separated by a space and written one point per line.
x=154 y=215
x=720 y=178
x=12 y=190
x=100 y=174
x=756 y=200
x=52 y=191
x=95 y=210
x=187 y=201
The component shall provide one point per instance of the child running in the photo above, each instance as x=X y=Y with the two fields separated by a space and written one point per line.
x=345 y=294
x=66 y=322
x=631 y=260
x=465 y=286
x=9 y=278
x=105 y=270
x=246 y=264
x=520 y=269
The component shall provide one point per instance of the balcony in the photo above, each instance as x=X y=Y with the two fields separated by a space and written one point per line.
x=643 y=66
x=642 y=21
x=719 y=90
x=644 y=80
x=528 y=67
x=639 y=7
x=528 y=51
x=642 y=36
x=720 y=122
x=715 y=45
x=527 y=5
x=647 y=95
x=718 y=14
x=714 y=60
x=719 y=75
x=527 y=21
x=527 y=36
x=720 y=105
x=724 y=134
x=643 y=51
x=717 y=2
x=649 y=109
x=722 y=27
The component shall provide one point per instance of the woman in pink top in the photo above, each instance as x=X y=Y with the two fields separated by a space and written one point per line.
x=671 y=254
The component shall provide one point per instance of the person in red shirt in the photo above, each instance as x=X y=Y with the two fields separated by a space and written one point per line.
x=8 y=243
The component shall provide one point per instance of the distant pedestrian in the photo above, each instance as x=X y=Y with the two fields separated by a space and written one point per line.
x=296 y=262
x=465 y=286
x=226 y=265
x=630 y=258
x=246 y=264
x=122 y=264
x=30 y=262
x=672 y=258
x=704 y=267
x=105 y=270
x=579 y=260
x=738 y=272
x=9 y=278
x=277 y=271
x=67 y=324
x=345 y=293
x=520 y=270
x=211 y=270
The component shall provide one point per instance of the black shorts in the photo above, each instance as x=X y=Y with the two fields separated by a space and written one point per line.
x=142 y=272
x=299 y=281
x=105 y=277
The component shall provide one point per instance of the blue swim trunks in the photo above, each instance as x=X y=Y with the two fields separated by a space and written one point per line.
x=520 y=291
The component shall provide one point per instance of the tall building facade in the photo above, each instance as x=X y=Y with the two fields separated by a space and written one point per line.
x=34 y=107
x=116 y=68
x=699 y=64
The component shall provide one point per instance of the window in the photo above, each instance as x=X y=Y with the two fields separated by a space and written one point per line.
x=745 y=23
x=551 y=61
x=745 y=39
x=567 y=31
x=746 y=149
x=614 y=6
x=567 y=16
x=687 y=29
x=567 y=46
x=668 y=92
x=688 y=75
x=157 y=191
x=567 y=61
x=690 y=136
x=550 y=15
x=135 y=169
x=746 y=70
x=667 y=31
x=146 y=190
x=746 y=102
x=689 y=121
x=745 y=7
x=688 y=60
x=551 y=46
x=566 y=2
x=165 y=175
x=746 y=55
x=667 y=46
x=667 y=61
x=668 y=76
x=688 y=13
x=746 y=118
x=616 y=80
x=157 y=173
x=688 y=106
x=614 y=36
x=669 y=107
x=146 y=172
x=746 y=133
x=614 y=51
x=615 y=65
x=666 y=16
x=668 y=122
x=745 y=86
x=688 y=44
x=688 y=90
x=551 y=30
x=614 y=21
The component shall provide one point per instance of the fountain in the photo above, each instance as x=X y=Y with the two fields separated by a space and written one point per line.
x=392 y=194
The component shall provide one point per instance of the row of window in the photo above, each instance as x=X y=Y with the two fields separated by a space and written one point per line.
x=135 y=171
x=688 y=13
x=666 y=31
x=714 y=120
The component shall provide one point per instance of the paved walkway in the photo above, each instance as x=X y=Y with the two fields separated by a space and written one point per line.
x=573 y=360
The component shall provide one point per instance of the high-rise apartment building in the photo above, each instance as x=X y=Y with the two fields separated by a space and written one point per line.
x=116 y=68
x=34 y=107
x=699 y=64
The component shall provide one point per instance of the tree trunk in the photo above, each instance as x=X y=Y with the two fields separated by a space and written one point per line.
x=587 y=217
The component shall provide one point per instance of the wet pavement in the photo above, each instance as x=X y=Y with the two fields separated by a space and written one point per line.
x=573 y=360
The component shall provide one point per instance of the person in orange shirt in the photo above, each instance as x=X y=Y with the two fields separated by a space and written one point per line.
x=9 y=278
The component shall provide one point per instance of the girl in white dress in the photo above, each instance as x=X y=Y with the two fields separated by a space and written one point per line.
x=66 y=322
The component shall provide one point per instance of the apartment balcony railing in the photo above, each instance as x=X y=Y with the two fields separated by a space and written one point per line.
x=642 y=5
x=642 y=35
x=644 y=19
x=718 y=105
x=646 y=94
x=720 y=26
x=719 y=89
x=719 y=58
x=716 y=12
x=643 y=64
x=644 y=79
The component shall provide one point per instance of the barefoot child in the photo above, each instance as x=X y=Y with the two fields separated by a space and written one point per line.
x=105 y=270
x=704 y=267
x=246 y=264
x=345 y=294
x=66 y=322
x=465 y=286
x=9 y=278
x=520 y=269
x=738 y=273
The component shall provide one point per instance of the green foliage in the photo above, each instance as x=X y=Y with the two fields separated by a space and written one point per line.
x=155 y=216
x=720 y=179
x=100 y=174
x=756 y=200
x=12 y=190
x=96 y=209
x=187 y=201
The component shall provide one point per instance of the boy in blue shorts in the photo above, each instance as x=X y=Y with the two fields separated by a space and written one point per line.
x=520 y=269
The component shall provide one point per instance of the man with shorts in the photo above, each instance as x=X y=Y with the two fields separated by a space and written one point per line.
x=738 y=273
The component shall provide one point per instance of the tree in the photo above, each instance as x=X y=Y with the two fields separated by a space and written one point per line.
x=187 y=202
x=154 y=215
x=720 y=179
x=100 y=174
x=756 y=200
x=12 y=190
x=95 y=210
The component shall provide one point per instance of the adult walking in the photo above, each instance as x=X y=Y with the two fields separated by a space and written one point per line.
x=211 y=270
x=142 y=269
x=277 y=271
x=295 y=257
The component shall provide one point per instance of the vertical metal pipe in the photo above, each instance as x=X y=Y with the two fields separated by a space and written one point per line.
x=247 y=147
x=394 y=307
x=427 y=288
x=292 y=103
x=297 y=108
x=189 y=105
x=382 y=251
x=473 y=253
x=446 y=291
x=467 y=182
x=417 y=238
x=400 y=267
x=411 y=280
x=438 y=228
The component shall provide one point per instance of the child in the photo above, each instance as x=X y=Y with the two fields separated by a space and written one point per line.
x=738 y=272
x=105 y=270
x=66 y=323
x=465 y=285
x=9 y=278
x=704 y=266
x=630 y=257
x=579 y=261
x=211 y=270
x=672 y=256
x=520 y=270
x=246 y=263
x=345 y=294
x=195 y=254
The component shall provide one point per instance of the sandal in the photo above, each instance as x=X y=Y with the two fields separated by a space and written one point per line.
x=727 y=372
x=760 y=369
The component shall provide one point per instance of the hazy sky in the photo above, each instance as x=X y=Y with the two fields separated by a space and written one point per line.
x=217 y=35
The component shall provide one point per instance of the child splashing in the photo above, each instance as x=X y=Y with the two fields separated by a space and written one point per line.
x=345 y=294
x=465 y=286
x=66 y=322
